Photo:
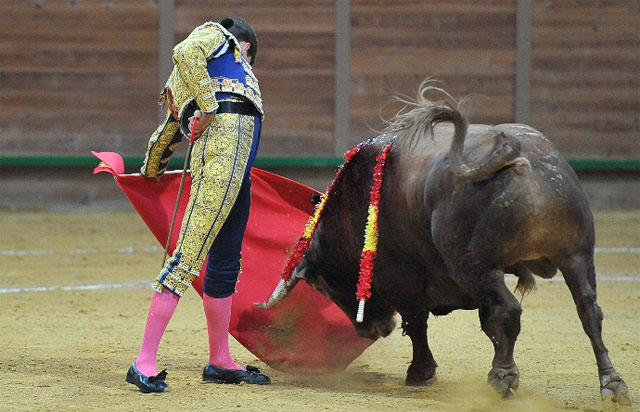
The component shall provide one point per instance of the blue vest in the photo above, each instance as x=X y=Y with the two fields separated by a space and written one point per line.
x=228 y=76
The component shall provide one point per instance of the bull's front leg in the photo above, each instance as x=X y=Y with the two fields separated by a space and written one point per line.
x=423 y=365
x=500 y=320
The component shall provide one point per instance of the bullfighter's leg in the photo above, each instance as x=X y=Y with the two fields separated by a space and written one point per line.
x=499 y=313
x=579 y=274
x=423 y=365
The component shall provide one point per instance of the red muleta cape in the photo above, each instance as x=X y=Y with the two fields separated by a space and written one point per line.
x=307 y=332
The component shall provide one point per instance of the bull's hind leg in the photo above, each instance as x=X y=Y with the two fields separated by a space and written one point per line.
x=423 y=365
x=579 y=274
x=499 y=313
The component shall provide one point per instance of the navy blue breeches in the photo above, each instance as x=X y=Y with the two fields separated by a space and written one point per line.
x=223 y=264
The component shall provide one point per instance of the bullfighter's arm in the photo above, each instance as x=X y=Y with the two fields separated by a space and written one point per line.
x=189 y=79
x=190 y=58
x=162 y=144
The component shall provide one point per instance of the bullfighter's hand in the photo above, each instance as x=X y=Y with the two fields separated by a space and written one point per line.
x=203 y=123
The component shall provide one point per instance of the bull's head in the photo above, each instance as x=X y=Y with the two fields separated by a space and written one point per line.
x=331 y=264
x=379 y=319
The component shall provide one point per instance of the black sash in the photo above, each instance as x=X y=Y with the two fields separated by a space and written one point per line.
x=244 y=107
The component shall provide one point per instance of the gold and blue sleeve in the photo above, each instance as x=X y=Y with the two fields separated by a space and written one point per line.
x=162 y=143
x=190 y=58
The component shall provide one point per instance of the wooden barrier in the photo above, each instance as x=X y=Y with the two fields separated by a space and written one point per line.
x=82 y=75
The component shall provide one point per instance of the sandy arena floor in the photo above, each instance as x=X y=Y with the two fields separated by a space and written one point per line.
x=66 y=346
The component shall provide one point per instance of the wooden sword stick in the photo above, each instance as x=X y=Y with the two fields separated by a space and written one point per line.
x=196 y=115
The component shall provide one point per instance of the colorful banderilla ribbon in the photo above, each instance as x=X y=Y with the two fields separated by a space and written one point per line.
x=369 y=251
x=302 y=245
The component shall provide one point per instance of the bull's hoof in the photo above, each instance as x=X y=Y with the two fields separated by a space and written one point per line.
x=505 y=380
x=420 y=378
x=613 y=388
x=418 y=381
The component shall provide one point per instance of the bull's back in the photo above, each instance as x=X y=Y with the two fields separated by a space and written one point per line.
x=530 y=209
x=543 y=198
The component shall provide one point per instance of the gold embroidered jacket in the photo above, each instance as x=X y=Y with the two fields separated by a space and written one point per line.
x=190 y=79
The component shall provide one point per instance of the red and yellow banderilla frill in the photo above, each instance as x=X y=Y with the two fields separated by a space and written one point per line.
x=302 y=245
x=369 y=250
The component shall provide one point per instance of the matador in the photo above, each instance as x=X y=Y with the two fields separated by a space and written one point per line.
x=212 y=73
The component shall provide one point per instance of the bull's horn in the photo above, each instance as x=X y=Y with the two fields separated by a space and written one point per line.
x=281 y=291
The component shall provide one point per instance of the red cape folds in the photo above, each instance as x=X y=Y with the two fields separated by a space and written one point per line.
x=305 y=333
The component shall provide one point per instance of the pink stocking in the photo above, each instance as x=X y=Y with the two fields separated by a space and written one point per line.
x=160 y=312
x=218 y=313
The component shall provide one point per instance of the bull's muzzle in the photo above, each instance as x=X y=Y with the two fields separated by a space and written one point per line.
x=282 y=290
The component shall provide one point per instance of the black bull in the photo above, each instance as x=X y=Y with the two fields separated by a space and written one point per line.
x=461 y=205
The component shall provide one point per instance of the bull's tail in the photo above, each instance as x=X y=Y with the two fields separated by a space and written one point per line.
x=427 y=114
x=505 y=151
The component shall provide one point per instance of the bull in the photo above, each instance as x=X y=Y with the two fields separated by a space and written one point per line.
x=461 y=205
